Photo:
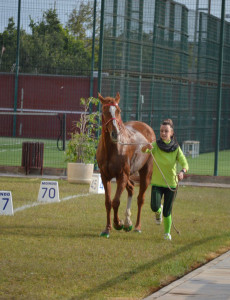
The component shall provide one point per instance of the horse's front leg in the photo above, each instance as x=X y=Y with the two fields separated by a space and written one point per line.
x=121 y=184
x=108 y=206
x=128 y=223
x=145 y=178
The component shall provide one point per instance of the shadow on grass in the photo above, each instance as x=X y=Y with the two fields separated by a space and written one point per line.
x=59 y=231
x=92 y=292
x=44 y=231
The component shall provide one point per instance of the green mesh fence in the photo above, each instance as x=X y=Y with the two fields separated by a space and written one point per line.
x=163 y=58
x=45 y=68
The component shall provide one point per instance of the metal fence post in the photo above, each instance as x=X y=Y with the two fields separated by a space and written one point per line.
x=101 y=45
x=17 y=69
x=63 y=132
x=219 y=89
x=140 y=35
x=127 y=57
x=93 y=51
x=153 y=59
x=114 y=49
x=100 y=58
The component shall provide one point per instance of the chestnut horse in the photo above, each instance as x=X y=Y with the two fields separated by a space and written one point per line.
x=119 y=156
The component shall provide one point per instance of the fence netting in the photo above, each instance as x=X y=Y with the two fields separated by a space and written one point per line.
x=162 y=56
x=45 y=68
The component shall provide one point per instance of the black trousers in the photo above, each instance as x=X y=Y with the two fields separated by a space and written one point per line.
x=156 y=196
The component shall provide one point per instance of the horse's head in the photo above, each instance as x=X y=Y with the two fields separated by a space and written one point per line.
x=111 y=116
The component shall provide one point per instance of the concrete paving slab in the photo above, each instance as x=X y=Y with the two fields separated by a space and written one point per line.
x=211 y=281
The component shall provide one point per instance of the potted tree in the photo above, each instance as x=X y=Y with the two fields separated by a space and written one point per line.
x=82 y=146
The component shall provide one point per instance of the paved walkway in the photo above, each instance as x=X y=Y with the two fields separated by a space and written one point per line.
x=209 y=282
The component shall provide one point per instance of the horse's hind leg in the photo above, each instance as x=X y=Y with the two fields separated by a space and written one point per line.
x=108 y=206
x=128 y=223
x=121 y=184
x=145 y=178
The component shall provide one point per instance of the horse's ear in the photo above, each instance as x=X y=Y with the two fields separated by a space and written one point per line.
x=100 y=97
x=117 y=98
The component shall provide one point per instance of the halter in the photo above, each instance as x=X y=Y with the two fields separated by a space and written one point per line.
x=104 y=124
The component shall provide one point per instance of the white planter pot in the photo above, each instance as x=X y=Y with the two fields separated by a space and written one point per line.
x=79 y=172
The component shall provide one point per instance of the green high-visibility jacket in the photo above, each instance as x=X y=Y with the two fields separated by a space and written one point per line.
x=167 y=161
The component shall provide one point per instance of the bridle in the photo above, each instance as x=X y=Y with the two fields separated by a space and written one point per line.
x=104 y=129
x=104 y=124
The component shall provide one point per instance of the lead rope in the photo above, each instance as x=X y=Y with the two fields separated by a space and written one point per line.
x=177 y=186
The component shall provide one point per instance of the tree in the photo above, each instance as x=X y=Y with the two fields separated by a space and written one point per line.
x=80 y=25
x=80 y=21
x=8 y=43
x=51 y=48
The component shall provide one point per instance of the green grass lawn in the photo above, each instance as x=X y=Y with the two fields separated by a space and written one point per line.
x=11 y=155
x=11 y=152
x=54 y=251
x=204 y=164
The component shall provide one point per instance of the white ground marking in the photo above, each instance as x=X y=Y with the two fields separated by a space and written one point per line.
x=10 y=150
x=42 y=203
x=17 y=143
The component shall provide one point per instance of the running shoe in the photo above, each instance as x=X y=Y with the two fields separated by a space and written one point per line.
x=167 y=236
x=159 y=216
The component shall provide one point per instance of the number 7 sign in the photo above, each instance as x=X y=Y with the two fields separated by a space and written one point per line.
x=6 y=203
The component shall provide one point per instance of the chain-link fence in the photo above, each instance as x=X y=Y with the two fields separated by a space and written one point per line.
x=164 y=59
x=45 y=68
x=162 y=56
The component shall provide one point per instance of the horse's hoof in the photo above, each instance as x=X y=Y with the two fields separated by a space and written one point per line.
x=120 y=226
x=104 y=234
x=128 y=228
x=137 y=230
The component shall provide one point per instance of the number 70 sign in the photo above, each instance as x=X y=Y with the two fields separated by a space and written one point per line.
x=48 y=191
x=6 y=203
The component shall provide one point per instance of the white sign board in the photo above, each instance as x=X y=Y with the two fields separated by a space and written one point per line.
x=48 y=192
x=96 y=185
x=6 y=203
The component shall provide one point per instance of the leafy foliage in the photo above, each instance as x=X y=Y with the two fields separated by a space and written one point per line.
x=51 y=48
x=83 y=143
